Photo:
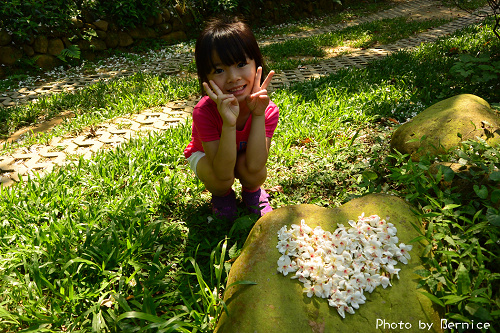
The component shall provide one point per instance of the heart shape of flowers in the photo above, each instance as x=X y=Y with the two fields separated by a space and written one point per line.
x=340 y=266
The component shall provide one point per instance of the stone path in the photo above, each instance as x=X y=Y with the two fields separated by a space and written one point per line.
x=42 y=158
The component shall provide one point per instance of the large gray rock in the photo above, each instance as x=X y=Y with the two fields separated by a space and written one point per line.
x=443 y=123
x=277 y=303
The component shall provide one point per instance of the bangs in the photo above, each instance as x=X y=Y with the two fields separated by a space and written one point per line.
x=230 y=49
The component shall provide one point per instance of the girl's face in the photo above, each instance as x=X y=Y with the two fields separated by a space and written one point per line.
x=236 y=79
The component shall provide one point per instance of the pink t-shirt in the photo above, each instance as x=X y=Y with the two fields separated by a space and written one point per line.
x=207 y=125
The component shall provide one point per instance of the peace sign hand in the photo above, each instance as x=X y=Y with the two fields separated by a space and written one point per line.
x=227 y=104
x=258 y=100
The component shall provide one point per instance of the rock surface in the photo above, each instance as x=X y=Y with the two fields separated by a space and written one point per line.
x=467 y=115
x=277 y=304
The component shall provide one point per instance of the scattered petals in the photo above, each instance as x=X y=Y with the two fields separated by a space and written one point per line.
x=340 y=266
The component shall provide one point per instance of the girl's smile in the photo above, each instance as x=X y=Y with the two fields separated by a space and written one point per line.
x=236 y=79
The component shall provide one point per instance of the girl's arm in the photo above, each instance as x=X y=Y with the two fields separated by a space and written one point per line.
x=222 y=153
x=258 y=144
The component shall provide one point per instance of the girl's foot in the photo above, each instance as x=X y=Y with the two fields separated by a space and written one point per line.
x=225 y=206
x=257 y=202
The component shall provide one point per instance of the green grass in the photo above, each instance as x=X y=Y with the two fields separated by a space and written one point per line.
x=382 y=32
x=95 y=104
x=106 y=245
x=354 y=11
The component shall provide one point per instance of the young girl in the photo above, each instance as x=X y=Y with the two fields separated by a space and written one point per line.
x=234 y=123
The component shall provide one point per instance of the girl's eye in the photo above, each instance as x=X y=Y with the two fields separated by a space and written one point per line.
x=242 y=64
x=218 y=70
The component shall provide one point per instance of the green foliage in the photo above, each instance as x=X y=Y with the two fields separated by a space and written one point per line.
x=462 y=236
x=24 y=18
x=206 y=305
x=474 y=6
x=129 y=13
x=82 y=245
x=73 y=51
x=481 y=69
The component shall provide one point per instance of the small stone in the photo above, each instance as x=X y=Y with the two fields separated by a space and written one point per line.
x=101 y=34
x=158 y=19
x=9 y=55
x=124 y=39
x=5 y=38
x=175 y=36
x=41 y=44
x=164 y=29
x=101 y=25
x=46 y=61
x=55 y=46
x=83 y=45
x=98 y=45
x=112 y=40
x=166 y=14
x=28 y=50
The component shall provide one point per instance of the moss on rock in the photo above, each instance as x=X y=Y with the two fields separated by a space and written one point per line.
x=277 y=304
x=443 y=123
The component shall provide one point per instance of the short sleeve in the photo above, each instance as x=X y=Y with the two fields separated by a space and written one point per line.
x=272 y=116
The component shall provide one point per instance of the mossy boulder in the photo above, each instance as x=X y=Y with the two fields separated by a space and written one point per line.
x=445 y=124
x=277 y=303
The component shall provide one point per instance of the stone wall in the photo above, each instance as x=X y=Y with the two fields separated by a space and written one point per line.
x=97 y=35
x=171 y=25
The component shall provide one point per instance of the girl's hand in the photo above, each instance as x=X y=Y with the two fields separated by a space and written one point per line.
x=258 y=100
x=227 y=104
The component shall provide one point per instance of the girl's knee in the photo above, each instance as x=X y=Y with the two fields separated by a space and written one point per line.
x=252 y=178
x=213 y=184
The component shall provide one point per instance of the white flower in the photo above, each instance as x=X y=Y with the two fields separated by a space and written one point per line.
x=340 y=266
x=311 y=289
x=384 y=281
x=405 y=250
x=283 y=234
x=391 y=270
x=285 y=265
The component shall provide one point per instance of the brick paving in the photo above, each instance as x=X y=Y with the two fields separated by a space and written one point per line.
x=42 y=158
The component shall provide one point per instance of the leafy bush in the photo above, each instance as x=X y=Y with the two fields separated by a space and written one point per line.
x=471 y=7
x=128 y=13
x=24 y=18
x=481 y=69
x=460 y=212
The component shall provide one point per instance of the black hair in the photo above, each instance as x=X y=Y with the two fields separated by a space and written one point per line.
x=231 y=39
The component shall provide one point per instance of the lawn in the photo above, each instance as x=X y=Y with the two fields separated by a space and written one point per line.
x=119 y=243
